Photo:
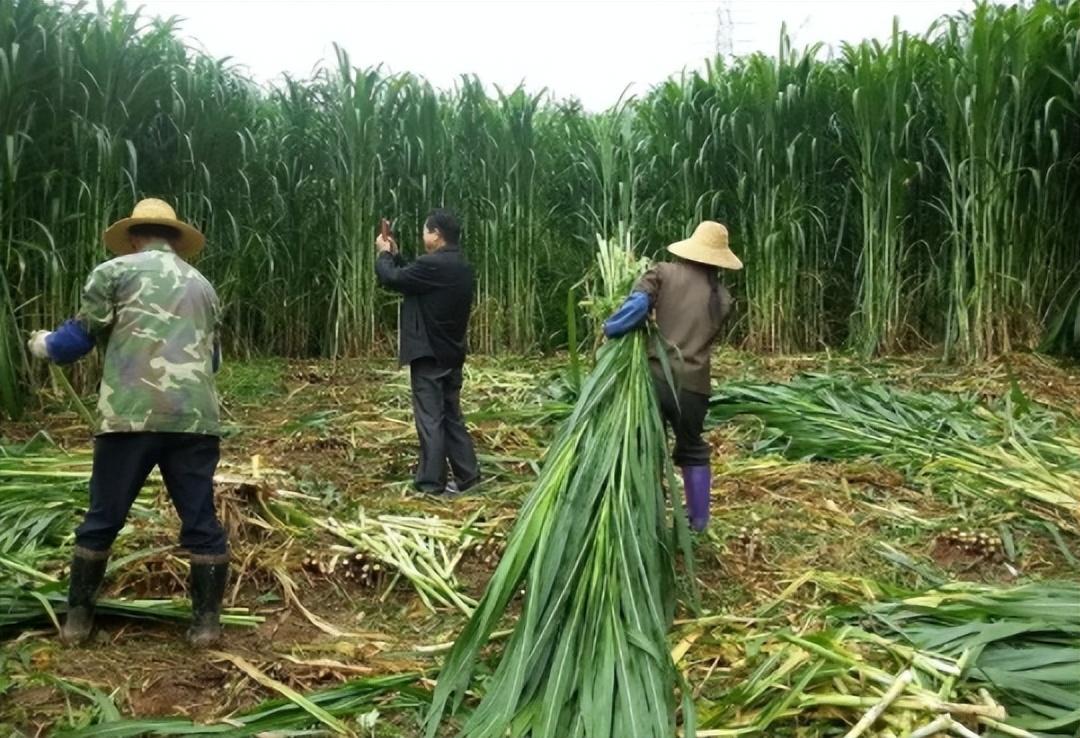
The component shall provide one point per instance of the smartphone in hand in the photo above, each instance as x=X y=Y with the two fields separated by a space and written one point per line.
x=384 y=231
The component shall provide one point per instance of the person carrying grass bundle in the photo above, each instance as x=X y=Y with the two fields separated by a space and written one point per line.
x=438 y=290
x=156 y=317
x=690 y=305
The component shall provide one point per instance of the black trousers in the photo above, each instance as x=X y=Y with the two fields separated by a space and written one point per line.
x=123 y=461
x=687 y=421
x=436 y=398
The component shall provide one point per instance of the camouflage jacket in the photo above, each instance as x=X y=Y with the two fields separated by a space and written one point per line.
x=157 y=318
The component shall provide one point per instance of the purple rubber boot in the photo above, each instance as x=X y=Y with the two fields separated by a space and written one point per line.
x=697 y=483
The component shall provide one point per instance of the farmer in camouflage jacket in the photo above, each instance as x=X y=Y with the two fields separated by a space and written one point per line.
x=156 y=318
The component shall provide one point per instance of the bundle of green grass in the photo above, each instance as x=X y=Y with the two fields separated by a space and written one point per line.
x=595 y=550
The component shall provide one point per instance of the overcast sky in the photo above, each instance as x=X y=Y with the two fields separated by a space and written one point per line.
x=590 y=49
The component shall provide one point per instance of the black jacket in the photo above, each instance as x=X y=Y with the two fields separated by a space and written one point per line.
x=438 y=289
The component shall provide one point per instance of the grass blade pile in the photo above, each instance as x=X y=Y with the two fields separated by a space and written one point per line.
x=278 y=716
x=595 y=549
x=1003 y=659
x=42 y=495
x=1021 y=644
x=953 y=443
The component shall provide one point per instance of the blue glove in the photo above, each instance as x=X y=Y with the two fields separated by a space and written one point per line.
x=630 y=315
x=70 y=342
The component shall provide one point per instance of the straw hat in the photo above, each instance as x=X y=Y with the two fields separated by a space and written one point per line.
x=154 y=212
x=708 y=245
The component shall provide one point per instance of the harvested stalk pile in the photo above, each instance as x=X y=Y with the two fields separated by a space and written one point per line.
x=964 y=660
x=1021 y=453
x=423 y=550
x=1021 y=644
x=595 y=548
x=40 y=498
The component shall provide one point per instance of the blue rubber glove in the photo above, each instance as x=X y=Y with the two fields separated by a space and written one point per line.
x=630 y=315
x=70 y=342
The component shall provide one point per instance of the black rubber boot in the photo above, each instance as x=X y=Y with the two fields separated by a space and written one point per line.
x=87 y=574
x=209 y=574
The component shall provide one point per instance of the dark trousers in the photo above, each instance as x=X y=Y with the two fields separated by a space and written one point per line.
x=436 y=397
x=122 y=462
x=687 y=421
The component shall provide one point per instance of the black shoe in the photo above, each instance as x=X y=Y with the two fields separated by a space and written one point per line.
x=207 y=586
x=428 y=491
x=87 y=573
x=454 y=488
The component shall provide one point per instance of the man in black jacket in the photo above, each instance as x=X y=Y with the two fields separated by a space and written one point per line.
x=438 y=290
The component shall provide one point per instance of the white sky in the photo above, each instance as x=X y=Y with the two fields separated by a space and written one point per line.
x=590 y=49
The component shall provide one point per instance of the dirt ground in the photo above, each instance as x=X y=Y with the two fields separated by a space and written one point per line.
x=340 y=434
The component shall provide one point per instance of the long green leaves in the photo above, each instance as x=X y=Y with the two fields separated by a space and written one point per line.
x=953 y=443
x=1007 y=659
x=1022 y=644
x=25 y=605
x=595 y=549
x=347 y=700
x=40 y=498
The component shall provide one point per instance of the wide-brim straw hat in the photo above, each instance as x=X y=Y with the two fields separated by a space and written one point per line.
x=154 y=212
x=708 y=245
